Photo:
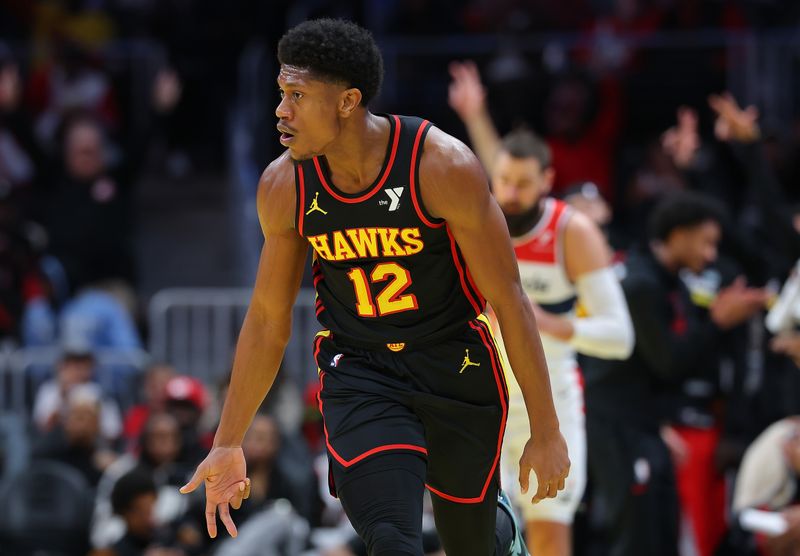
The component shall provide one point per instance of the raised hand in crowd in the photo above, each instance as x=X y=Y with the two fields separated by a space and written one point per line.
x=467 y=97
x=737 y=303
x=733 y=122
x=682 y=141
x=466 y=94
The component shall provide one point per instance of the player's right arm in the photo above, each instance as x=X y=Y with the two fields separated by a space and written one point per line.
x=262 y=341
x=468 y=98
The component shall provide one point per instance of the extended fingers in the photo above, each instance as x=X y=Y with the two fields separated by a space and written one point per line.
x=211 y=519
x=225 y=516
x=196 y=480
x=524 y=477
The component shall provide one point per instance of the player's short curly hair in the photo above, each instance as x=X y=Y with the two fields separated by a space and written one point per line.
x=335 y=50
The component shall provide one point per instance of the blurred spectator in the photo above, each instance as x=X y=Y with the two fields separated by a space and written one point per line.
x=157 y=455
x=277 y=498
x=78 y=442
x=768 y=480
x=154 y=390
x=21 y=161
x=134 y=500
x=86 y=209
x=585 y=197
x=21 y=282
x=268 y=480
x=99 y=316
x=629 y=465
x=187 y=401
x=581 y=131
x=72 y=80
x=76 y=367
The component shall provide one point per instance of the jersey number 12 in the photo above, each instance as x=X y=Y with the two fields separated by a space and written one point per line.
x=391 y=298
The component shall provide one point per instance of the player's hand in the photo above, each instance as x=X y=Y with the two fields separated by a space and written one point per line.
x=466 y=94
x=224 y=472
x=733 y=122
x=545 y=455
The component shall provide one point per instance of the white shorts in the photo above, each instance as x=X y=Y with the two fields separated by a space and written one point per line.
x=568 y=398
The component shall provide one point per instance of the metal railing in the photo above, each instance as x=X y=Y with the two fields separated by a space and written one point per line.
x=195 y=329
x=23 y=370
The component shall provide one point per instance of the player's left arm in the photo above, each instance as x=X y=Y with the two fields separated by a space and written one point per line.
x=454 y=187
x=606 y=330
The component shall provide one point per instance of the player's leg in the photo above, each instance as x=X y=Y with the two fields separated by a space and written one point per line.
x=474 y=529
x=549 y=523
x=464 y=411
x=376 y=447
x=549 y=538
x=382 y=498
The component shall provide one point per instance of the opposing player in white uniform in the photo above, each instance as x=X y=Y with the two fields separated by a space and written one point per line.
x=565 y=266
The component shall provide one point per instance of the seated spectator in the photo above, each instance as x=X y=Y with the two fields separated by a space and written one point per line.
x=269 y=482
x=78 y=442
x=76 y=367
x=134 y=500
x=187 y=401
x=86 y=209
x=154 y=389
x=99 y=315
x=768 y=480
x=159 y=447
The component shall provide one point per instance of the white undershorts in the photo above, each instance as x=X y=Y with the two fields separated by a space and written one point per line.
x=568 y=398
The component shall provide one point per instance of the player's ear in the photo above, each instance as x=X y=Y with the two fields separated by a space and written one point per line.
x=549 y=176
x=349 y=100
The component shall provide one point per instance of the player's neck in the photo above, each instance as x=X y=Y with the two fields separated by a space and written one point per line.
x=355 y=158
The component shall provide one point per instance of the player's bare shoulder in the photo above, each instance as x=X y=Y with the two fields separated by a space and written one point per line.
x=585 y=246
x=276 y=195
x=448 y=170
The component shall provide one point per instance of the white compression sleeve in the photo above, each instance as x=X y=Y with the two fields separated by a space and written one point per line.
x=607 y=331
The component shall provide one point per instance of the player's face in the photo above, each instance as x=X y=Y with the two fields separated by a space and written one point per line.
x=308 y=115
x=697 y=246
x=519 y=183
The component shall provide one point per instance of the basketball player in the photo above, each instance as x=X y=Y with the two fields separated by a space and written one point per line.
x=407 y=241
x=565 y=264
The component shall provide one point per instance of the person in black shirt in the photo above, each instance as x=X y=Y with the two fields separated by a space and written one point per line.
x=134 y=499
x=629 y=464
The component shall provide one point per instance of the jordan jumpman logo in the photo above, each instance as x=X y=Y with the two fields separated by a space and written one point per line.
x=467 y=363
x=315 y=205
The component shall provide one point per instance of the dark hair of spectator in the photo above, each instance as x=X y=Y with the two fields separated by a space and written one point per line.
x=523 y=143
x=337 y=51
x=129 y=487
x=684 y=209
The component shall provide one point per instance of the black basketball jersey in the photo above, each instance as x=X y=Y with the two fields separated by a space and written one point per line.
x=385 y=271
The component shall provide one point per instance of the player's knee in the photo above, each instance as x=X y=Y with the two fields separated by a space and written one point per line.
x=388 y=539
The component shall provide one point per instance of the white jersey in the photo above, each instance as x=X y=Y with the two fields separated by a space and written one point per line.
x=540 y=255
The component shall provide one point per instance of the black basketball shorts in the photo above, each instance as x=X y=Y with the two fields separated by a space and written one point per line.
x=446 y=402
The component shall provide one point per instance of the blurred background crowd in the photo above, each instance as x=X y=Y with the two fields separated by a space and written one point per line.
x=132 y=135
